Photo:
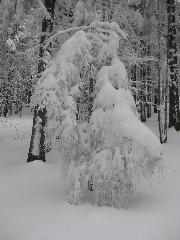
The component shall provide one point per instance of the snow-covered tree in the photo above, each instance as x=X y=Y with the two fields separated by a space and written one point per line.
x=100 y=154
x=116 y=134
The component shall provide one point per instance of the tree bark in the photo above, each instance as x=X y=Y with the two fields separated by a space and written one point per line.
x=143 y=85
x=172 y=64
x=37 y=143
x=162 y=111
x=37 y=147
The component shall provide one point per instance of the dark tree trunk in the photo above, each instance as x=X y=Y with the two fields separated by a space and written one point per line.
x=107 y=10
x=148 y=83
x=91 y=99
x=110 y=8
x=47 y=27
x=104 y=10
x=134 y=79
x=37 y=143
x=37 y=147
x=143 y=69
x=162 y=113
x=148 y=91
x=172 y=63
x=160 y=123
x=143 y=86
x=155 y=101
x=6 y=106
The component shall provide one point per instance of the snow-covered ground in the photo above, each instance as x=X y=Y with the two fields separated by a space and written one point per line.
x=33 y=206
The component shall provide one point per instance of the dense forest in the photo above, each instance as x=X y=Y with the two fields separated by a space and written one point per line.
x=97 y=81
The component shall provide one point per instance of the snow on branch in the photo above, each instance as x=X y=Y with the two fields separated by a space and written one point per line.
x=98 y=26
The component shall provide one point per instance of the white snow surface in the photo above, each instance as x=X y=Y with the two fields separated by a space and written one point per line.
x=33 y=206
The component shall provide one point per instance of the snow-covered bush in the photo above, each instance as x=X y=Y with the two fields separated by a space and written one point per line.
x=108 y=152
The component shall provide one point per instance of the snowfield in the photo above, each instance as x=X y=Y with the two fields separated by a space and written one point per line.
x=33 y=205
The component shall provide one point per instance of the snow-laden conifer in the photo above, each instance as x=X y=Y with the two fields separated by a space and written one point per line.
x=116 y=133
x=106 y=153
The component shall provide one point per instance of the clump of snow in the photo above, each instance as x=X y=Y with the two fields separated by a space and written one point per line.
x=109 y=49
x=49 y=83
x=67 y=131
x=11 y=45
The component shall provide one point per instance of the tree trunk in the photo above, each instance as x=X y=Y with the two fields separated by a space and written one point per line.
x=162 y=113
x=47 y=27
x=148 y=82
x=148 y=91
x=172 y=64
x=104 y=10
x=155 y=100
x=37 y=143
x=134 y=79
x=37 y=147
x=143 y=68
x=143 y=86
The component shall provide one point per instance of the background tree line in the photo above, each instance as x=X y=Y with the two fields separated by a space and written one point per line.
x=152 y=28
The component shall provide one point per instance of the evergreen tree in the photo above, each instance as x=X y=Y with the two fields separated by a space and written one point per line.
x=100 y=155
